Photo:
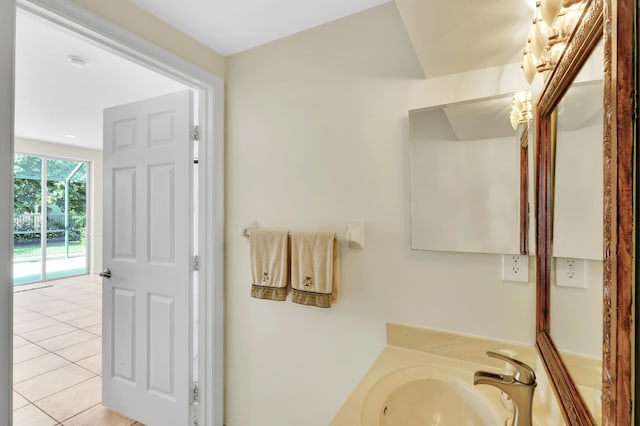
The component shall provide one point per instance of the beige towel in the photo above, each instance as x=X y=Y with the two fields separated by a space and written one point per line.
x=315 y=268
x=269 y=264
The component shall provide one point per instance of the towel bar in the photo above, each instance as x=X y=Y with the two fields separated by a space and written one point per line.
x=354 y=234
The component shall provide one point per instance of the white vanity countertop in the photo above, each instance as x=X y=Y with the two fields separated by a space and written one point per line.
x=410 y=346
x=395 y=358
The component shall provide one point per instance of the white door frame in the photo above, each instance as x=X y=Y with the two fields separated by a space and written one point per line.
x=7 y=37
x=209 y=87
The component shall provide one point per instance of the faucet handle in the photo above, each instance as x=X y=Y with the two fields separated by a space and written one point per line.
x=524 y=374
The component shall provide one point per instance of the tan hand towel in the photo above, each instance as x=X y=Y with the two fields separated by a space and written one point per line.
x=315 y=268
x=269 y=264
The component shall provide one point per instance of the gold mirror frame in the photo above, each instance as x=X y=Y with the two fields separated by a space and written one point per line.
x=614 y=19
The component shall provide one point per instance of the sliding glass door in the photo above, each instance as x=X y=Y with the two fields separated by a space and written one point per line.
x=27 y=219
x=50 y=218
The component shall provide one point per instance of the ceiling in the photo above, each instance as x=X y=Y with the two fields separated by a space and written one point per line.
x=54 y=98
x=479 y=119
x=449 y=36
x=482 y=119
x=453 y=36
x=231 y=26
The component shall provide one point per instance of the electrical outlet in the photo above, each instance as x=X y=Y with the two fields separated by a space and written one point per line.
x=570 y=272
x=515 y=267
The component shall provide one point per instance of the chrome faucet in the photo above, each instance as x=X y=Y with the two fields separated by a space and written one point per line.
x=519 y=387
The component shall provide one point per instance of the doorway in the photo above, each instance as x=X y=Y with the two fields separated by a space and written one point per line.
x=209 y=90
x=58 y=323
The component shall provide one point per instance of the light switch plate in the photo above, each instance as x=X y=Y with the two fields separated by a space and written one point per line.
x=515 y=267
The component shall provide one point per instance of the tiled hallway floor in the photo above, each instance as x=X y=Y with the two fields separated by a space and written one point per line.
x=57 y=355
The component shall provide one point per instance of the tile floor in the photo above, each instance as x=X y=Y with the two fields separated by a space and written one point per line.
x=57 y=350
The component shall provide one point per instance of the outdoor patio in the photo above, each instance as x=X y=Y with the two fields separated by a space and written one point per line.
x=29 y=271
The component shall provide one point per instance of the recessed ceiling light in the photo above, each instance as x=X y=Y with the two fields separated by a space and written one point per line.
x=70 y=136
x=77 y=61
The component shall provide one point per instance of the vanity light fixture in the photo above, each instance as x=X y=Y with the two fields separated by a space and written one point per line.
x=553 y=21
x=565 y=21
x=521 y=108
x=539 y=35
x=549 y=9
x=529 y=66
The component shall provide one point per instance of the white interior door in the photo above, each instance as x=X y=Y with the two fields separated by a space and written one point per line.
x=148 y=249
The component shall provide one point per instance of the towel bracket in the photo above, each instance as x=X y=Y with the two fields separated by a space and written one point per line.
x=354 y=234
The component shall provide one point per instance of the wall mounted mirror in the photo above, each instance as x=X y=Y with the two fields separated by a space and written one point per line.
x=584 y=213
x=576 y=293
x=463 y=154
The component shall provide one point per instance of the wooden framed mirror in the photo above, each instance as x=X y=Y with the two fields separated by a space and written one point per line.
x=610 y=22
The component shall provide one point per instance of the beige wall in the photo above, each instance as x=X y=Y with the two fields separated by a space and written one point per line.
x=142 y=23
x=94 y=158
x=317 y=133
x=578 y=193
x=576 y=313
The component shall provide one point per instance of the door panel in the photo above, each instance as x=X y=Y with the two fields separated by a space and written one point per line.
x=161 y=340
x=162 y=185
x=124 y=213
x=148 y=248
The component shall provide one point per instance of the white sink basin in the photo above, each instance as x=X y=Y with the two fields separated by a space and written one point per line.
x=429 y=396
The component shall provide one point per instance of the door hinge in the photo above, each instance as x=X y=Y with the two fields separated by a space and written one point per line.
x=195 y=263
x=196 y=133
x=195 y=393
